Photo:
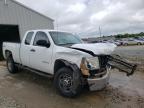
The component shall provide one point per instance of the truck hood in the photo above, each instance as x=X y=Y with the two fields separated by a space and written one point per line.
x=97 y=49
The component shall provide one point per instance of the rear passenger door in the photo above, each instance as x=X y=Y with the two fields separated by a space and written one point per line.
x=40 y=56
x=25 y=49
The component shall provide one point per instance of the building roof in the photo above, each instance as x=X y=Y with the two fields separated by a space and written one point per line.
x=32 y=10
x=49 y=30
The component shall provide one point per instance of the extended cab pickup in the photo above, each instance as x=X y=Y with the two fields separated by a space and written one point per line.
x=66 y=58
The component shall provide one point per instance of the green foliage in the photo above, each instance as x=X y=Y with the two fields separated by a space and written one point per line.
x=126 y=35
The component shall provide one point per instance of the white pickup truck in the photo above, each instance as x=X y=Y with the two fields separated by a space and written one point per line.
x=66 y=58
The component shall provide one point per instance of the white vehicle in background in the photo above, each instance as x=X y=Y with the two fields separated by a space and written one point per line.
x=112 y=41
x=139 y=42
x=118 y=43
x=66 y=58
x=133 y=42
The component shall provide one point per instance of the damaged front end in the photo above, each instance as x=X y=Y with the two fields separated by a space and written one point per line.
x=97 y=69
x=115 y=61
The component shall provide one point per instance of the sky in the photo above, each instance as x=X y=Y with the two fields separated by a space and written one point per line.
x=85 y=17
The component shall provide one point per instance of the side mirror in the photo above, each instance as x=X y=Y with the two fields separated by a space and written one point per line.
x=43 y=43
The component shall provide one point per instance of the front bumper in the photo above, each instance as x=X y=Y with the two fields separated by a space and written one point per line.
x=98 y=83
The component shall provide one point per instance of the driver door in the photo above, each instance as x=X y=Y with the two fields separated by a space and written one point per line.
x=40 y=56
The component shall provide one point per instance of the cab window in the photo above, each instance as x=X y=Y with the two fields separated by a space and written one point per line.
x=40 y=36
x=29 y=38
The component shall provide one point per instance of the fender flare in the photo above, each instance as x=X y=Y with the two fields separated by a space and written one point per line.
x=66 y=63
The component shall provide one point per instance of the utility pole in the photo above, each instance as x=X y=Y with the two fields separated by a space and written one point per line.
x=100 y=31
x=5 y=1
x=57 y=25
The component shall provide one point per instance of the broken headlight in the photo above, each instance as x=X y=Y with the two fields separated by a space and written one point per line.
x=91 y=63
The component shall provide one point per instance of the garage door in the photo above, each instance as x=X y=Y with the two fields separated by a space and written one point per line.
x=8 y=33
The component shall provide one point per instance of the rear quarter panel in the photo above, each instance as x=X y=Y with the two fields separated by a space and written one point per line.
x=13 y=48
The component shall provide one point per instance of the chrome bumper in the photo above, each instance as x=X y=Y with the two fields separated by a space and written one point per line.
x=98 y=83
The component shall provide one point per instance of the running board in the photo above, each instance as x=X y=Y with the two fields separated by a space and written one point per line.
x=36 y=71
x=122 y=65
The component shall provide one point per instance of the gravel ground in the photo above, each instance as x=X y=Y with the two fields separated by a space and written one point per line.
x=28 y=90
x=6 y=102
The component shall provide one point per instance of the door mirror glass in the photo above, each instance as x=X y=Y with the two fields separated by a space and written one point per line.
x=43 y=43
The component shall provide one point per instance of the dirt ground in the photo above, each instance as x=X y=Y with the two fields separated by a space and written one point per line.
x=28 y=90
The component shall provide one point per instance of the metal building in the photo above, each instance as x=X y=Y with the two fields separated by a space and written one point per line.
x=16 y=19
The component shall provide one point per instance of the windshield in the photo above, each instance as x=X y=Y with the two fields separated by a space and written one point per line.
x=62 y=38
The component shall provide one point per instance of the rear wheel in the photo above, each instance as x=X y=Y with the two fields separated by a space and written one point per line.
x=65 y=83
x=12 y=68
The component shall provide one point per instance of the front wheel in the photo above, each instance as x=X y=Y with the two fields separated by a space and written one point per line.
x=125 y=44
x=65 y=83
x=11 y=65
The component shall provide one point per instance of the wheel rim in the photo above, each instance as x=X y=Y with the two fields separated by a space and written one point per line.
x=65 y=82
x=9 y=65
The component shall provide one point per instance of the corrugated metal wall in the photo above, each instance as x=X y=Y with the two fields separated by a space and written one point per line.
x=15 y=14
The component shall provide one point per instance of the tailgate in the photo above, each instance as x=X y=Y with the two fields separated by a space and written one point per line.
x=119 y=63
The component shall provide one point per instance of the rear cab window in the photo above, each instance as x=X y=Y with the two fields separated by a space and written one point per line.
x=28 y=38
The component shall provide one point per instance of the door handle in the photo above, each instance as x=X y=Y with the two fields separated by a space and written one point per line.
x=32 y=50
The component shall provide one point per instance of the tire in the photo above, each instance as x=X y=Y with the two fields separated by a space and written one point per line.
x=139 y=43
x=12 y=68
x=126 y=44
x=65 y=83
